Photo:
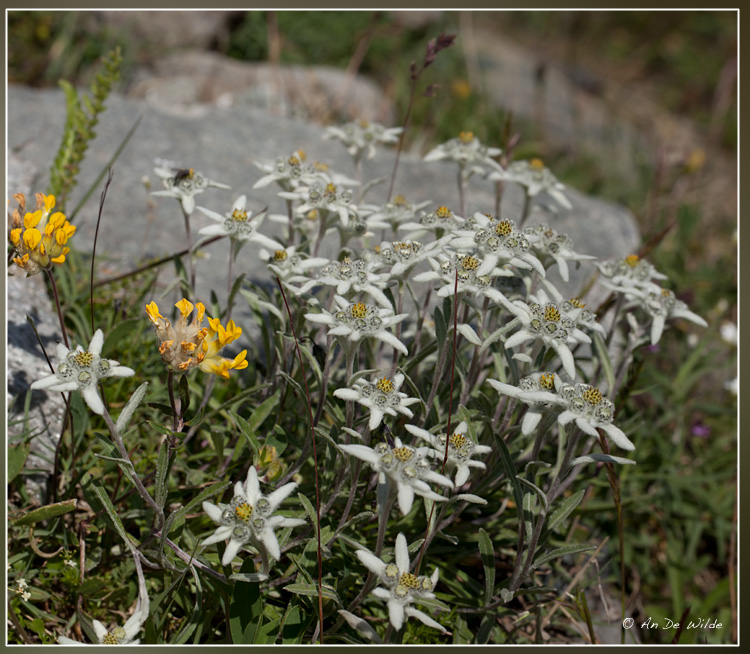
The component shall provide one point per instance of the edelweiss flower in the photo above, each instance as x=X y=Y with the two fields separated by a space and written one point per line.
x=80 y=370
x=590 y=411
x=184 y=346
x=39 y=238
x=361 y=136
x=289 y=172
x=535 y=177
x=395 y=212
x=318 y=197
x=662 y=305
x=549 y=323
x=184 y=185
x=468 y=152
x=360 y=320
x=405 y=466
x=400 y=588
x=549 y=244
x=402 y=256
x=575 y=309
x=381 y=397
x=630 y=273
x=499 y=242
x=439 y=222
x=347 y=276
x=237 y=225
x=124 y=635
x=248 y=518
x=444 y=270
x=538 y=391
x=460 y=450
x=289 y=265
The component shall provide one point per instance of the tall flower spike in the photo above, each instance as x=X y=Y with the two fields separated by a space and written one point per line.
x=80 y=370
x=39 y=238
x=189 y=345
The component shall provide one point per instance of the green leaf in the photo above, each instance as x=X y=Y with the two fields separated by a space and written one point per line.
x=565 y=509
x=441 y=328
x=125 y=332
x=311 y=590
x=184 y=391
x=294 y=624
x=201 y=497
x=246 y=609
x=510 y=472
x=537 y=490
x=127 y=412
x=112 y=513
x=561 y=551
x=161 y=483
x=46 y=512
x=17 y=455
x=488 y=561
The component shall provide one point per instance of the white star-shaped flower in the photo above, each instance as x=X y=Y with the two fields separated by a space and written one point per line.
x=350 y=276
x=80 y=370
x=468 y=152
x=361 y=136
x=355 y=321
x=184 y=185
x=535 y=177
x=249 y=519
x=239 y=224
x=662 y=305
x=380 y=397
x=125 y=635
x=405 y=466
x=551 y=245
x=290 y=265
x=400 y=588
x=323 y=197
x=539 y=391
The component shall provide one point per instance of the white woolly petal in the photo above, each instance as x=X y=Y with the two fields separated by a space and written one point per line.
x=48 y=382
x=473 y=499
x=657 y=327
x=280 y=494
x=233 y=548
x=120 y=371
x=618 y=437
x=361 y=452
x=586 y=427
x=376 y=417
x=221 y=534
x=401 y=551
x=462 y=474
x=252 y=486
x=389 y=338
x=424 y=618
x=91 y=396
x=530 y=422
x=566 y=357
x=95 y=347
x=405 y=498
x=213 y=230
x=372 y=562
x=99 y=629
x=396 y=614
x=271 y=543
x=346 y=394
x=521 y=336
x=63 y=640
x=213 y=511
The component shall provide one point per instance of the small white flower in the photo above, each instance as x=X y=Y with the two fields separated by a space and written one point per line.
x=395 y=212
x=400 y=588
x=381 y=397
x=289 y=172
x=80 y=370
x=538 y=390
x=728 y=332
x=357 y=321
x=499 y=242
x=590 y=411
x=468 y=152
x=184 y=185
x=628 y=273
x=535 y=177
x=238 y=225
x=460 y=450
x=350 y=276
x=551 y=245
x=402 y=256
x=662 y=305
x=361 y=136
x=405 y=466
x=732 y=385
x=548 y=322
x=124 y=635
x=444 y=270
x=323 y=197
x=439 y=222
x=289 y=265
x=248 y=518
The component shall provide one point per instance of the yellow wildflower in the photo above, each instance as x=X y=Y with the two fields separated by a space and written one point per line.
x=39 y=238
x=189 y=345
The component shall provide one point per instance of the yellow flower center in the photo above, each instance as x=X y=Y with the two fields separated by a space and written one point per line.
x=84 y=358
x=384 y=385
x=243 y=512
x=547 y=381
x=458 y=441
x=409 y=580
x=592 y=395
x=466 y=137
x=632 y=260
x=400 y=201
x=470 y=263
x=551 y=313
x=443 y=212
x=330 y=189
x=359 y=310
x=536 y=164
x=364 y=124
x=240 y=215
x=321 y=167
x=280 y=255
x=312 y=214
x=403 y=454
x=577 y=303
x=504 y=228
